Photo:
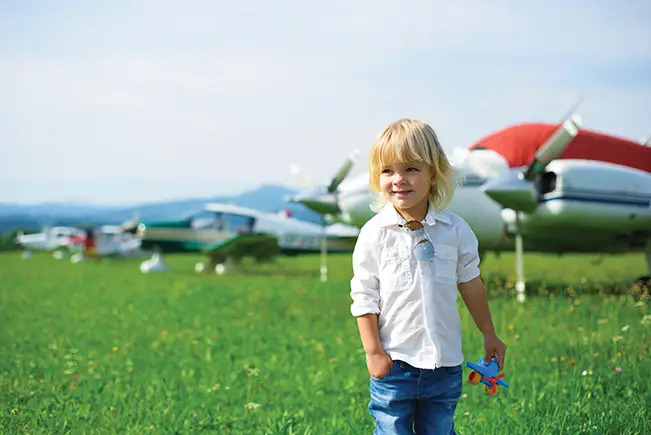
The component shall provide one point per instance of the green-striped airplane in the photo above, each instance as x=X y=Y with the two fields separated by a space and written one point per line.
x=226 y=233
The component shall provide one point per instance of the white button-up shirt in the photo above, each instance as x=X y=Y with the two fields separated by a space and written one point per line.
x=415 y=301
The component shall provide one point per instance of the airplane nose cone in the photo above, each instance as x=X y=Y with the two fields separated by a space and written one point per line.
x=322 y=203
x=512 y=191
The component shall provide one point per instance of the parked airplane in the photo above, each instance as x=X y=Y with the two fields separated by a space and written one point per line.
x=539 y=187
x=227 y=232
x=52 y=239
x=105 y=241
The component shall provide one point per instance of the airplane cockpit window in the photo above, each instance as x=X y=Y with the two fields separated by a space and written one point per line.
x=61 y=234
x=241 y=224
x=203 y=220
x=222 y=222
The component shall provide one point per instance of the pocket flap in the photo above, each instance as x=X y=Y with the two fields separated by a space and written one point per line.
x=446 y=252
x=395 y=253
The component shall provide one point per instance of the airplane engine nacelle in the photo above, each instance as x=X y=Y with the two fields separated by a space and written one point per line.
x=598 y=194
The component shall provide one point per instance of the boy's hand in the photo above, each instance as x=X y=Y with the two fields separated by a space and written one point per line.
x=494 y=348
x=379 y=364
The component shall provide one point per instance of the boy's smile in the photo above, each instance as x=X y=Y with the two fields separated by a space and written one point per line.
x=407 y=186
x=402 y=193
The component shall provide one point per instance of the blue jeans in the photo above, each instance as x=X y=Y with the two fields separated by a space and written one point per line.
x=410 y=400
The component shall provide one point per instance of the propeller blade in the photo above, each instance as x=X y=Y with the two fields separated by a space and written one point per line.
x=553 y=147
x=343 y=171
x=573 y=107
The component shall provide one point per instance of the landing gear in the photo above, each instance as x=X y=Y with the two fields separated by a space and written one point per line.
x=220 y=269
x=219 y=264
x=519 y=261
x=154 y=264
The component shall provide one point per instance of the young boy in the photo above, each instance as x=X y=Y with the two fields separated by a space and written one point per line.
x=409 y=261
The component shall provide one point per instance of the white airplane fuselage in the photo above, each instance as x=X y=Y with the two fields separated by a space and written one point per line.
x=49 y=240
x=592 y=207
x=111 y=240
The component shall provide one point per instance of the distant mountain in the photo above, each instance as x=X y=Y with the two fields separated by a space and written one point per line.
x=47 y=208
x=268 y=198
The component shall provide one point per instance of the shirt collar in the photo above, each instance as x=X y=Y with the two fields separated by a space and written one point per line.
x=389 y=216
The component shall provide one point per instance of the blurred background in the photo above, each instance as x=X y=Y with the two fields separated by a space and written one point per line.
x=125 y=103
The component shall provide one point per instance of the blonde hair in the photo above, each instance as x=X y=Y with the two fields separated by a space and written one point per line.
x=406 y=141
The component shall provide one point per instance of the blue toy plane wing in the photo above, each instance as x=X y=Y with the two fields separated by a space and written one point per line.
x=476 y=367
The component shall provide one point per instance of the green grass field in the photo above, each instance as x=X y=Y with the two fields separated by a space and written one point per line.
x=98 y=347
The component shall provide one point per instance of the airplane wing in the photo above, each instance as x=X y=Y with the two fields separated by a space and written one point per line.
x=232 y=209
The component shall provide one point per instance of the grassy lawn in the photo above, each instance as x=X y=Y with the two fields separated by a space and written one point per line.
x=99 y=347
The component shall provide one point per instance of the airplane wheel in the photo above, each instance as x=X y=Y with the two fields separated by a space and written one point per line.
x=492 y=390
x=199 y=267
x=220 y=269
x=474 y=377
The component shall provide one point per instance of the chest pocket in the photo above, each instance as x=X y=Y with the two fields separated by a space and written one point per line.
x=445 y=262
x=395 y=269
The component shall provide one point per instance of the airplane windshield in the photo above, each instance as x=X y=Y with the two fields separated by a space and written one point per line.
x=225 y=222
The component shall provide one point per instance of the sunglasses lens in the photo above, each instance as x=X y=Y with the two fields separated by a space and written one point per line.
x=424 y=251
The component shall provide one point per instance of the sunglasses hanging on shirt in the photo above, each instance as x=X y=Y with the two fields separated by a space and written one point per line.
x=423 y=250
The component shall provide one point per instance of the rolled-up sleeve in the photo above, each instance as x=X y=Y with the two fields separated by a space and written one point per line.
x=468 y=265
x=365 y=285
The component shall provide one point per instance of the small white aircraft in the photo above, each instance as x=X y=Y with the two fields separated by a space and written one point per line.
x=105 y=241
x=55 y=239
x=538 y=187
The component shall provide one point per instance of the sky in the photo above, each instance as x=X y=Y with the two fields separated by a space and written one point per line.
x=125 y=102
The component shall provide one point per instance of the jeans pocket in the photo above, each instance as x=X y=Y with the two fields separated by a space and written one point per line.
x=393 y=367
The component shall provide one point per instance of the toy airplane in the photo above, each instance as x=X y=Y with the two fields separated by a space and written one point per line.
x=487 y=375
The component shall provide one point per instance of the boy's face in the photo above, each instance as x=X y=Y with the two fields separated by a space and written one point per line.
x=407 y=186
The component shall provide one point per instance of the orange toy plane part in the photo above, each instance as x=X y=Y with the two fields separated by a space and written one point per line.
x=486 y=374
